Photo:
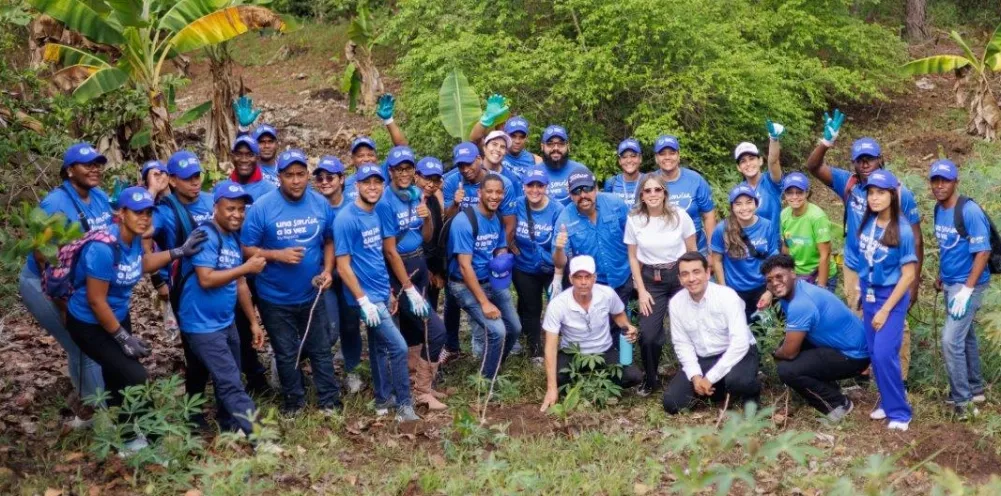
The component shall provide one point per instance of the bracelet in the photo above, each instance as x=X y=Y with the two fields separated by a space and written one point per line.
x=387 y=121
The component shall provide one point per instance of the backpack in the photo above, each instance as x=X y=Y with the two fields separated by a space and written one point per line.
x=447 y=228
x=57 y=280
x=994 y=262
x=178 y=288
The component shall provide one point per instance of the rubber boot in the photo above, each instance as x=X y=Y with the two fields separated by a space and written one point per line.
x=434 y=373
x=422 y=388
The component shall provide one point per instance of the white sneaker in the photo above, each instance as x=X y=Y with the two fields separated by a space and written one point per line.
x=406 y=413
x=77 y=423
x=877 y=414
x=354 y=383
x=979 y=398
x=896 y=425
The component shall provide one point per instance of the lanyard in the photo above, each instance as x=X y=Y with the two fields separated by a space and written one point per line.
x=870 y=249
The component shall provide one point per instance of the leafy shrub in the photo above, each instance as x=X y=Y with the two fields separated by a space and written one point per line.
x=592 y=381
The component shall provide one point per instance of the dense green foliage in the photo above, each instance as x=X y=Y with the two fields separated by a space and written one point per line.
x=710 y=71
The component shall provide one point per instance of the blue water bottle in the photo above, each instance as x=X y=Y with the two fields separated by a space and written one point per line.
x=625 y=349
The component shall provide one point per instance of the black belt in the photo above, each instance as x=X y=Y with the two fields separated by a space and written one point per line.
x=656 y=269
x=418 y=253
x=454 y=278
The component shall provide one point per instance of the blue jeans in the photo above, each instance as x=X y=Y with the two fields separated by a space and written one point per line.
x=220 y=352
x=286 y=326
x=959 y=348
x=85 y=373
x=502 y=333
x=387 y=352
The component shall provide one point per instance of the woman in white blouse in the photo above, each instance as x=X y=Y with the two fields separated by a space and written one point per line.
x=657 y=234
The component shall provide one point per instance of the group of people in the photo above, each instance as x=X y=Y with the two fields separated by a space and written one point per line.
x=313 y=250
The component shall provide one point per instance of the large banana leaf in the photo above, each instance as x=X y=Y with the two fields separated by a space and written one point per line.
x=79 y=17
x=187 y=11
x=458 y=105
x=66 y=56
x=193 y=114
x=966 y=49
x=351 y=85
x=360 y=30
x=994 y=45
x=223 y=25
x=127 y=12
x=994 y=62
x=936 y=64
x=101 y=81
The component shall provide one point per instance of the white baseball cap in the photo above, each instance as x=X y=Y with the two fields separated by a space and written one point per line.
x=582 y=263
x=497 y=134
x=746 y=147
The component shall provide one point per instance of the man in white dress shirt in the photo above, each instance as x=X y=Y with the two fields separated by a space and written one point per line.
x=711 y=338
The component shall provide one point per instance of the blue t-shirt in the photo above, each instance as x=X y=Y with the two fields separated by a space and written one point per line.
x=744 y=274
x=350 y=188
x=400 y=220
x=359 y=233
x=825 y=319
x=880 y=265
x=209 y=310
x=956 y=253
x=536 y=256
x=601 y=240
x=97 y=210
x=519 y=163
x=490 y=237
x=336 y=210
x=625 y=190
x=857 y=204
x=691 y=192
x=165 y=219
x=258 y=189
x=270 y=173
x=276 y=223
x=559 y=187
x=97 y=260
x=472 y=193
x=769 y=194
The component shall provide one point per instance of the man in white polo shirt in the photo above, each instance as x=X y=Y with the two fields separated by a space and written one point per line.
x=716 y=349
x=580 y=316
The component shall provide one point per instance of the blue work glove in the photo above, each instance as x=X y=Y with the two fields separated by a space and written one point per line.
x=832 y=126
x=417 y=302
x=775 y=130
x=496 y=107
x=243 y=109
x=960 y=303
x=385 y=108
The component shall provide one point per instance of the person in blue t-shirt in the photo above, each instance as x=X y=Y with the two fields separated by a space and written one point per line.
x=739 y=245
x=246 y=170
x=494 y=147
x=688 y=189
x=154 y=177
x=533 y=249
x=516 y=159
x=556 y=158
x=216 y=286
x=267 y=144
x=363 y=152
x=849 y=185
x=362 y=266
x=824 y=340
x=470 y=251
x=405 y=229
x=624 y=184
x=104 y=274
x=80 y=199
x=290 y=228
x=889 y=267
x=963 y=276
x=767 y=187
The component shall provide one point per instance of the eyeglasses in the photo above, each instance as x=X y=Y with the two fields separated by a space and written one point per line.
x=581 y=190
x=655 y=189
x=433 y=179
x=406 y=169
x=325 y=178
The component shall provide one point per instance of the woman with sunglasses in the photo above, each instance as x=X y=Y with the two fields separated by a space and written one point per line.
x=657 y=234
x=806 y=234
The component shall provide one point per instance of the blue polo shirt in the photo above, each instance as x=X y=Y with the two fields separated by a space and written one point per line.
x=625 y=190
x=270 y=173
x=882 y=268
x=825 y=319
x=359 y=233
x=472 y=193
x=209 y=310
x=258 y=189
x=856 y=205
x=519 y=163
x=97 y=210
x=601 y=240
x=559 y=188
x=165 y=218
x=769 y=194
x=400 y=220
x=691 y=192
x=956 y=253
x=536 y=255
x=490 y=237
x=97 y=260
x=276 y=223
x=744 y=274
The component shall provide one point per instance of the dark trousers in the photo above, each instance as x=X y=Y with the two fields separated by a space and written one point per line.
x=250 y=363
x=814 y=372
x=652 y=333
x=118 y=370
x=626 y=293
x=530 y=288
x=751 y=298
x=219 y=351
x=428 y=333
x=452 y=320
x=631 y=375
x=741 y=383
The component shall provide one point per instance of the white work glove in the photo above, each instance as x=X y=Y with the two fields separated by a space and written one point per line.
x=960 y=303
x=418 y=303
x=369 y=312
x=556 y=287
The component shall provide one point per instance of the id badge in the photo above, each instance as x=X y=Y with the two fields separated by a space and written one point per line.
x=870 y=296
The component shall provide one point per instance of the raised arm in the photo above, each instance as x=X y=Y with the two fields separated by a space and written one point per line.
x=775 y=133
x=385 y=108
x=815 y=162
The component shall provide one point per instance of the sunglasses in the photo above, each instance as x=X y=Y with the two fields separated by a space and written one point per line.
x=325 y=178
x=582 y=189
x=655 y=189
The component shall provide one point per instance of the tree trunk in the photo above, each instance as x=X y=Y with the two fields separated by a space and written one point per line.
x=222 y=123
x=161 y=131
x=915 y=27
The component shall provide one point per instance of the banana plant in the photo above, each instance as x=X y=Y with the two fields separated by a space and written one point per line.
x=361 y=79
x=985 y=116
x=458 y=105
x=145 y=34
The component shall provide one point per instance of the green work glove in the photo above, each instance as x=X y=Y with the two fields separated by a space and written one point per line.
x=243 y=109
x=496 y=107
x=385 y=107
x=832 y=126
x=775 y=130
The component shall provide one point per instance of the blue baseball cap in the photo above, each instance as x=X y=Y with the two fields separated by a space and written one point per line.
x=362 y=141
x=247 y=141
x=535 y=174
x=465 y=153
x=795 y=180
x=264 y=129
x=290 y=157
x=82 y=153
x=580 y=176
x=516 y=124
x=555 y=131
x=742 y=190
x=629 y=145
x=943 y=168
x=184 y=164
x=666 y=141
x=135 y=198
x=329 y=163
x=399 y=155
x=865 y=146
x=231 y=191
x=430 y=166
x=501 y=268
x=369 y=170
x=152 y=164
x=882 y=178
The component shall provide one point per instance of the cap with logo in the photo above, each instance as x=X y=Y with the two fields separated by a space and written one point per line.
x=290 y=157
x=945 y=169
x=583 y=263
x=465 y=153
x=516 y=124
x=629 y=145
x=184 y=164
x=82 y=153
x=430 y=166
x=247 y=141
x=555 y=132
x=865 y=146
x=369 y=170
x=399 y=155
x=150 y=165
x=230 y=191
x=796 y=180
x=742 y=190
x=362 y=141
x=666 y=141
x=882 y=179
x=265 y=130
x=501 y=268
x=135 y=198
x=745 y=148
x=580 y=177
x=535 y=174
x=329 y=163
